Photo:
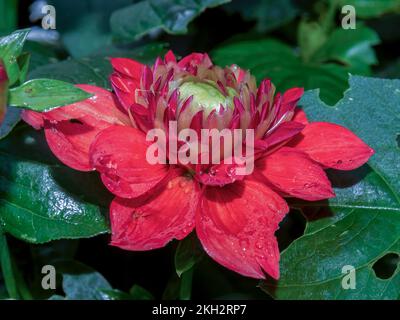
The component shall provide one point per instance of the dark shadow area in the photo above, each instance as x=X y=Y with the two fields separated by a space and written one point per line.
x=386 y=266
x=291 y=228
x=346 y=179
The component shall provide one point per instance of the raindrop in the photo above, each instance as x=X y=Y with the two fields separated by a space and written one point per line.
x=259 y=244
x=213 y=172
x=244 y=244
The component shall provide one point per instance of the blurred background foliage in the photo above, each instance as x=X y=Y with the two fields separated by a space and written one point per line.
x=295 y=43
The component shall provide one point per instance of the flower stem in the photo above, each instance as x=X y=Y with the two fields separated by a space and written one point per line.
x=185 y=291
x=7 y=269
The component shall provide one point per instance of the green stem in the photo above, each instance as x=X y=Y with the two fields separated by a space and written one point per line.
x=21 y=284
x=328 y=20
x=185 y=291
x=7 y=269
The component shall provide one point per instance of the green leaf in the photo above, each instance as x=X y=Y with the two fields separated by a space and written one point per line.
x=311 y=36
x=173 y=16
x=81 y=282
x=324 y=61
x=139 y=293
x=185 y=291
x=42 y=200
x=187 y=254
x=269 y=14
x=371 y=9
x=272 y=59
x=8 y=16
x=10 y=48
x=95 y=69
x=45 y=94
x=23 y=63
x=113 y=294
x=351 y=47
x=362 y=224
x=41 y=54
x=88 y=31
x=11 y=119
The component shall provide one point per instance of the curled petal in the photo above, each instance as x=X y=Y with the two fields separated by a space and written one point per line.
x=169 y=57
x=128 y=67
x=293 y=173
x=281 y=134
x=193 y=60
x=292 y=96
x=288 y=102
x=145 y=224
x=333 y=146
x=119 y=154
x=71 y=129
x=125 y=89
x=236 y=226
x=300 y=116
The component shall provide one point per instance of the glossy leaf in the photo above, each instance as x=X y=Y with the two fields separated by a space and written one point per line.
x=81 y=282
x=139 y=293
x=95 y=69
x=360 y=225
x=42 y=200
x=10 y=48
x=173 y=16
x=351 y=47
x=45 y=94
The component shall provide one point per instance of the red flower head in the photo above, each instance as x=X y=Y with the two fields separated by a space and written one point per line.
x=235 y=216
x=3 y=91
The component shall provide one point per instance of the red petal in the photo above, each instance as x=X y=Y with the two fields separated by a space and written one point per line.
x=146 y=224
x=169 y=57
x=193 y=60
x=119 y=154
x=35 y=119
x=71 y=129
x=125 y=89
x=300 y=116
x=236 y=226
x=295 y=174
x=289 y=101
x=128 y=67
x=281 y=134
x=333 y=146
x=292 y=96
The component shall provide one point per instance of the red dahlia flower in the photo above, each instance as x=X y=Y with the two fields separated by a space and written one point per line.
x=235 y=217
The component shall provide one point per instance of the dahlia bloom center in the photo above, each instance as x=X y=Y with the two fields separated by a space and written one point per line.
x=206 y=95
